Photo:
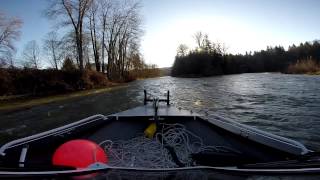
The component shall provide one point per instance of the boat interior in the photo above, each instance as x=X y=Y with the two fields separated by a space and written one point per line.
x=40 y=152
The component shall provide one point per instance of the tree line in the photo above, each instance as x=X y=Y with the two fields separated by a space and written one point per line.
x=103 y=35
x=93 y=42
x=210 y=58
x=9 y=33
x=106 y=32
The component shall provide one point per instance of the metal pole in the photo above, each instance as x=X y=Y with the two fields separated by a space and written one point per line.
x=145 y=97
x=168 y=98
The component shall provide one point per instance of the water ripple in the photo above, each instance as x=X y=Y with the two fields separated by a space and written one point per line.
x=287 y=105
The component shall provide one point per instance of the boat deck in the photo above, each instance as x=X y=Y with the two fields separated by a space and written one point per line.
x=129 y=127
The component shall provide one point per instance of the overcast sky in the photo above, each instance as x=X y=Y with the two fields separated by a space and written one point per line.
x=243 y=25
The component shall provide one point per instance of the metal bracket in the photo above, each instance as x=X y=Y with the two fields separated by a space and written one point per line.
x=146 y=99
x=23 y=155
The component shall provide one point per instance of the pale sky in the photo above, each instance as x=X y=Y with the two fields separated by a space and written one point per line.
x=243 y=25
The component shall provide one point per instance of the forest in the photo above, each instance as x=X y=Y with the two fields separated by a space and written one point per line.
x=92 y=43
x=210 y=58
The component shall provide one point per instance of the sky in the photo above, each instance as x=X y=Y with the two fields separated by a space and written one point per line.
x=242 y=25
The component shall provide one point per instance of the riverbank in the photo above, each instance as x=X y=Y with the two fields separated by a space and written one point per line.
x=14 y=103
x=46 y=82
x=30 y=87
x=307 y=66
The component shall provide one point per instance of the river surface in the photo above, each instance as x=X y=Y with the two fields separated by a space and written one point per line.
x=287 y=105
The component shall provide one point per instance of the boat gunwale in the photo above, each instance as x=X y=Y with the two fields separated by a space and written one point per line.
x=257 y=135
x=52 y=132
x=252 y=171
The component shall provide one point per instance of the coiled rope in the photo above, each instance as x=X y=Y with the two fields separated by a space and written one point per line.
x=152 y=153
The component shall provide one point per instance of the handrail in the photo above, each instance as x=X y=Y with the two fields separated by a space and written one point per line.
x=245 y=130
x=146 y=99
x=283 y=171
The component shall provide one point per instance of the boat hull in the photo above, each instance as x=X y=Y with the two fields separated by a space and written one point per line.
x=18 y=157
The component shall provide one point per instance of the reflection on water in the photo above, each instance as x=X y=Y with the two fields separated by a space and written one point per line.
x=287 y=105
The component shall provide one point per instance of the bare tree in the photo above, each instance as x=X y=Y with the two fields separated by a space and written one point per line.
x=73 y=13
x=7 y=59
x=9 y=32
x=86 y=50
x=113 y=31
x=124 y=32
x=94 y=35
x=223 y=48
x=182 y=50
x=31 y=54
x=104 y=10
x=199 y=37
x=70 y=48
x=53 y=46
x=2 y=62
x=205 y=44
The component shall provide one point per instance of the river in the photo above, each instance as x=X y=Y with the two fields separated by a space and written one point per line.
x=287 y=105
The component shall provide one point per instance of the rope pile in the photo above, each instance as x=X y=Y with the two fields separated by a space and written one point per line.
x=152 y=153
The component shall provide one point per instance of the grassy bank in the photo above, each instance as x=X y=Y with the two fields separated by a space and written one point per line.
x=304 y=66
x=18 y=103
x=23 y=88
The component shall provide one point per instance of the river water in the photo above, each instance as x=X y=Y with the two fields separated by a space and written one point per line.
x=287 y=105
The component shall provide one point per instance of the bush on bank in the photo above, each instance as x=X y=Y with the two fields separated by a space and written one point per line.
x=304 y=66
x=36 y=82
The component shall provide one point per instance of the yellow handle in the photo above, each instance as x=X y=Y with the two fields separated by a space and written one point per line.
x=151 y=130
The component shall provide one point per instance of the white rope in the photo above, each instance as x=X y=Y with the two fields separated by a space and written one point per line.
x=151 y=153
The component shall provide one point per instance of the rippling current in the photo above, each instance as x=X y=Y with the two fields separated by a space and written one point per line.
x=287 y=105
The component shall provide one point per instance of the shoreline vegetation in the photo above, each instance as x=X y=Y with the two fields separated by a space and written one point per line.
x=23 y=88
x=305 y=66
x=210 y=58
x=37 y=83
x=99 y=47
